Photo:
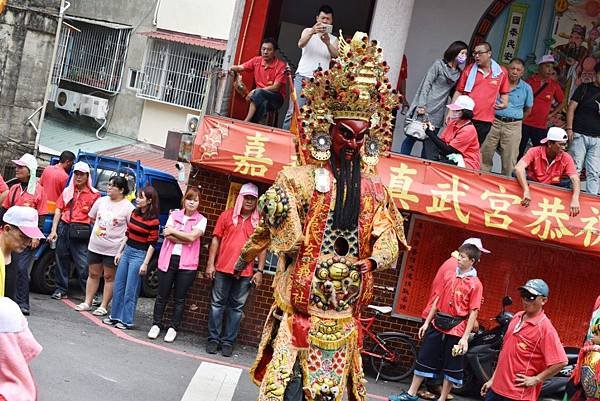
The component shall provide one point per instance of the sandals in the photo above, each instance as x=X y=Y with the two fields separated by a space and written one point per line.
x=83 y=307
x=100 y=312
x=426 y=395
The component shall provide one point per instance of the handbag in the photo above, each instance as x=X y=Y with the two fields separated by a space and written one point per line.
x=443 y=321
x=78 y=231
x=414 y=127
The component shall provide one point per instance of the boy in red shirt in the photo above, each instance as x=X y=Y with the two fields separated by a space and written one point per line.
x=453 y=315
x=531 y=351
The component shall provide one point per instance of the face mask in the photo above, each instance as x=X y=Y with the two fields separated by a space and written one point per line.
x=461 y=58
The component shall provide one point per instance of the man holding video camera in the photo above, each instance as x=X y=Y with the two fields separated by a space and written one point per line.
x=318 y=46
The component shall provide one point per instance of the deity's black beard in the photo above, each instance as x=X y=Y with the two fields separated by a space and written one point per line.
x=347 y=198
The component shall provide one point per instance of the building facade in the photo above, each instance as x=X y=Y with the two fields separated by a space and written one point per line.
x=27 y=28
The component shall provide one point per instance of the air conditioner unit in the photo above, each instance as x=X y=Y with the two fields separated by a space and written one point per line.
x=191 y=123
x=67 y=100
x=92 y=106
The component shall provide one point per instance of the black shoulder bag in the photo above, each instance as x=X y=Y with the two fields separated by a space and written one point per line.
x=78 y=231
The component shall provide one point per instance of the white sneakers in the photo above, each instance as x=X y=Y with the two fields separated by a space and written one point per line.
x=154 y=332
x=170 y=336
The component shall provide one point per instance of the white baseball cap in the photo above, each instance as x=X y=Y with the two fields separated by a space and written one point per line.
x=555 y=134
x=463 y=102
x=477 y=243
x=546 y=58
x=26 y=160
x=26 y=219
x=82 y=167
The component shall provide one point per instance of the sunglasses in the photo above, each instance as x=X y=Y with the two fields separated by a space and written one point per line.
x=528 y=296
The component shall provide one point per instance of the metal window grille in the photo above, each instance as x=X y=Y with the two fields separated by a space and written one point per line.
x=177 y=73
x=94 y=57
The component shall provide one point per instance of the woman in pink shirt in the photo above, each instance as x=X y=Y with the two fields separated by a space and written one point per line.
x=458 y=144
x=110 y=215
x=178 y=262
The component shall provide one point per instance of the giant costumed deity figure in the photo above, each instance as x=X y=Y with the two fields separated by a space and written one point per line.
x=332 y=223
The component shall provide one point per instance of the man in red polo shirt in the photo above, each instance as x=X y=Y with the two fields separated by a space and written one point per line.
x=3 y=189
x=27 y=192
x=546 y=91
x=548 y=164
x=54 y=178
x=270 y=79
x=531 y=351
x=72 y=207
x=486 y=82
x=230 y=288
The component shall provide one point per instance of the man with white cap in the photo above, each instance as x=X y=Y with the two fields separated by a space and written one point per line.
x=531 y=351
x=547 y=164
x=230 y=288
x=28 y=192
x=546 y=91
x=19 y=229
x=71 y=228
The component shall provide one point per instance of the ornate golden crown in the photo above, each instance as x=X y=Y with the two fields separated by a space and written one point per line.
x=356 y=87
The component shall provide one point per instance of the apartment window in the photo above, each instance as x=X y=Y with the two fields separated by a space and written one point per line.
x=92 y=53
x=132 y=78
x=177 y=73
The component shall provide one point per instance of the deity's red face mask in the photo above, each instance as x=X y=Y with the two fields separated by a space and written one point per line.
x=348 y=135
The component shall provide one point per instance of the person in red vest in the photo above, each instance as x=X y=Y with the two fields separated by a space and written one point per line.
x=270 y=79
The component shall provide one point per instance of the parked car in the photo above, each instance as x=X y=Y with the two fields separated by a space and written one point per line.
x=102 y=169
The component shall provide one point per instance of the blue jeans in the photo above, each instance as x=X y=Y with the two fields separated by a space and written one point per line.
x=127 y=285
x=287 y=121
x=228 y=294
x=21 y=262
x=265 y=101
x=67 y=250
x=586 y=152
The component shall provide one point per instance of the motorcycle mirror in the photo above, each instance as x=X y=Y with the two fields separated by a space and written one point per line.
x=506 y=301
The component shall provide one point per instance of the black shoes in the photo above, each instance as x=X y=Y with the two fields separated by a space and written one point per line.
x=211 y=347
x=227 y=350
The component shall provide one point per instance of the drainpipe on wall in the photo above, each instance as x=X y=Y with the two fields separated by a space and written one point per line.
x=64 y=5
x=225 y=85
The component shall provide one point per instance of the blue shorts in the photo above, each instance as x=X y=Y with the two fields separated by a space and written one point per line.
x=435 y=357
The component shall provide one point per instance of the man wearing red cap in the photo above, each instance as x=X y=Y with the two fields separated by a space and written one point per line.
x=29 y=193
x=230 y=290
x=20 y=228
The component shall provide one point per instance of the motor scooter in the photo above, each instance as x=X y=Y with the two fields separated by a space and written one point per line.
x=484 y=347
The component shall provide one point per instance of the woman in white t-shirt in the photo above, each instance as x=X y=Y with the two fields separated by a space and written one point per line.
x=178 y=262
x=110 y=215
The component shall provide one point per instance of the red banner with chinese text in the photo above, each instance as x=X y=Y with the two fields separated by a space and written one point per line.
x=478 y=201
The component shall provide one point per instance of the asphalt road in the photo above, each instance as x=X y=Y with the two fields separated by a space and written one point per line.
x=84 y=360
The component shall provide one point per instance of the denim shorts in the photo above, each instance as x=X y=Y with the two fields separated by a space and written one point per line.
x=435 y=357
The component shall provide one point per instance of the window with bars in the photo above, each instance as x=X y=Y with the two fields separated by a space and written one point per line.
x=92 y=54
x=177 y=73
